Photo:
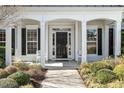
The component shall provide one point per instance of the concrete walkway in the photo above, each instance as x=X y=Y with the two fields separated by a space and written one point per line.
x=63 y=79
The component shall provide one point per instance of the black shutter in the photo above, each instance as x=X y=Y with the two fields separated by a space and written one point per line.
x=13 y=41
x=99 y=41
x=38 y=38
x=111 y=41
x=23 y=41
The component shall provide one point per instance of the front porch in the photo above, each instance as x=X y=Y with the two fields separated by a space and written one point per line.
x=83 y=41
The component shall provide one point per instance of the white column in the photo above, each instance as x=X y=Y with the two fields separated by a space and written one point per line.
x=106 y=41
x=84 y=41
x=46 y=41
x=76 y=41
x=8 y=46
x=18 y=41
x=42 y=43
x=118 y=38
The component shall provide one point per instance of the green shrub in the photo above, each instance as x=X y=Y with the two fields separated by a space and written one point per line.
x=21 y=65
x=105 y=76
x=116 y=84
x=119 y=71
x=27 y=86
x=90 y=78
x=111 y=62
x=3 y=73
x=99 y=65
x=20 y=77
x=11 y=69
x=2 y=63
x=84 y=71
x=36 y=74
x=97 y=85
x=84 y=65
x=8 y=83
x=35 y=66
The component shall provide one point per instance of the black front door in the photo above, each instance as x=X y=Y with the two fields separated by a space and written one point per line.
x=61 y=44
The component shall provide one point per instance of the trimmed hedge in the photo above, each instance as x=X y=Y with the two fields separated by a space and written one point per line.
x=10 y=69
x=105 y=76
x=3 y=73
x=20 y=77
x=119 y=71
x=8 y=83
x=99 y=65
x=36 y=74
x=21 y=65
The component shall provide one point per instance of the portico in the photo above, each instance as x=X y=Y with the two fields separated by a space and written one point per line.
x=64 y=35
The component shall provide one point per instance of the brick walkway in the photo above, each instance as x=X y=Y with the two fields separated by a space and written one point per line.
x=63 y=79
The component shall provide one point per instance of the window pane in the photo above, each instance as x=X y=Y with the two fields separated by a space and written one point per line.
x=91 y=34
x=2 y=43
x=31 y=35
x=2 y=35
x=91 y=48
x=31 y=47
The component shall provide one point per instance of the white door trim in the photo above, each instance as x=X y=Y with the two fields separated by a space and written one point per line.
x=51 y=47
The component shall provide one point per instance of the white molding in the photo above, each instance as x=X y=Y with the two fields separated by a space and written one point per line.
x=31 y=26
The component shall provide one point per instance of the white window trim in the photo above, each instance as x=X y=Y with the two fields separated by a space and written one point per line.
x=31 y=27
x=93 y=27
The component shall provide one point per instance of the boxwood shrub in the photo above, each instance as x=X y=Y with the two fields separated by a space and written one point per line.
x=119 y=71
x=99 y=65
x=105 y=76
x=11 y=69
x=3 y=73
x=8 y=83
x=20 y=77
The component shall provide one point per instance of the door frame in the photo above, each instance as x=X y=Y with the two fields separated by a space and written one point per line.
x=50 y=49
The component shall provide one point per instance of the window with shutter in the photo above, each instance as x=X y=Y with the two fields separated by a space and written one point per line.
x=32 y=41
x=91 y=41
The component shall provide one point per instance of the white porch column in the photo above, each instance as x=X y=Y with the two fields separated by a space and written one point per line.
x=47 y=41
x=84 y=41
x=118 y=38
x=106 y=41
x=76 y=41
x=8 y=46
x=42 y=42
x=18 y=41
